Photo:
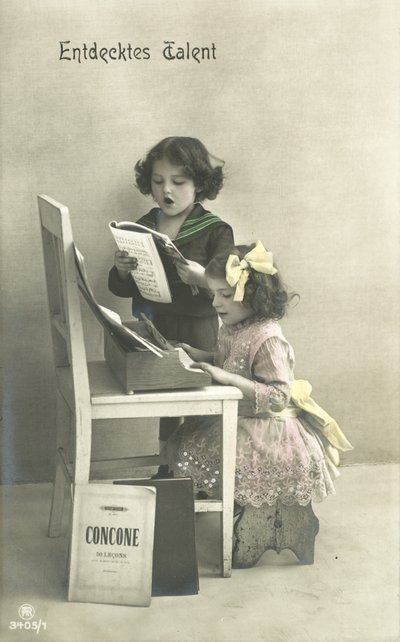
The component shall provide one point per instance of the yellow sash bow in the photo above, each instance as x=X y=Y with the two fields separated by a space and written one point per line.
x=238 y=271
x=318 y=418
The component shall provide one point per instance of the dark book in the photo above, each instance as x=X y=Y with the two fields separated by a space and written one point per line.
x=175 y=569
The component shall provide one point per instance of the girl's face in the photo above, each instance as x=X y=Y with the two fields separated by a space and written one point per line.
x=229 y=311
x=174 y=192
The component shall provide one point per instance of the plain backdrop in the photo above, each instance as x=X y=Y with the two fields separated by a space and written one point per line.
x=302 y=103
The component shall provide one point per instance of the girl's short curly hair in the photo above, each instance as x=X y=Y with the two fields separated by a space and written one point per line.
x=265 y=294
x=190 y=154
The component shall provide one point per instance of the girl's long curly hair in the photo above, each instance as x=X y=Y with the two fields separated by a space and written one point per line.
x=190 y=154
x=265 y=294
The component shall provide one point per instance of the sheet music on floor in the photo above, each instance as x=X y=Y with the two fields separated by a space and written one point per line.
x=128 y=338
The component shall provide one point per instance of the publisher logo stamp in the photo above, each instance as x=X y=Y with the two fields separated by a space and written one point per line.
x=26 y=620
x=26 y=611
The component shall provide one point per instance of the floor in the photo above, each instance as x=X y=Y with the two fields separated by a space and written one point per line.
x=349 y=594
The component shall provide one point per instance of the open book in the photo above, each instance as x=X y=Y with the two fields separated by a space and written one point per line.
x=127 y=337
x=145 y=244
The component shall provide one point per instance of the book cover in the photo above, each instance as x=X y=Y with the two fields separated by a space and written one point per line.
x=174 y=559
x=112 y=544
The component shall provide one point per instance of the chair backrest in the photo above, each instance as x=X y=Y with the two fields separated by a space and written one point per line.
x=63 y=294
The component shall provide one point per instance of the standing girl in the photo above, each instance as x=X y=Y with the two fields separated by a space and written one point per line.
x=179 y=173
x=286 y=444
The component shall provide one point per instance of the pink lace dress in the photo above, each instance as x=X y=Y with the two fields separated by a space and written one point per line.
x=279 y=456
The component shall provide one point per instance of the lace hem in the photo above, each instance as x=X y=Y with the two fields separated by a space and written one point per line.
x=303 y=499
x=265 y=484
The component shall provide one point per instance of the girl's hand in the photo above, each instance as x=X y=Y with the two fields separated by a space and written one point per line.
x=191 y=273
x=218 y=374
x=195 y=353
x=246 y=386
x=124 y=263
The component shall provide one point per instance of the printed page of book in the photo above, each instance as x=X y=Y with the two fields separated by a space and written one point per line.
x=163 y=242
x=167 y=244
x=112 y=541
x=149 y=275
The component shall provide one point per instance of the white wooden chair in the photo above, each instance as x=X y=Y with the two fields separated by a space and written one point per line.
x=89 y=391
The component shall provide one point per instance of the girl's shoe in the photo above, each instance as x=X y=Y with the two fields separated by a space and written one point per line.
x=163 y=472
x=201 y=494
x=237 y=509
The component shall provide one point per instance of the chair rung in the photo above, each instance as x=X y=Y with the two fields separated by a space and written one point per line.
x=60 y=325
x=114 y=467
x=208 y=506
x=67 y=468
x=134 y=462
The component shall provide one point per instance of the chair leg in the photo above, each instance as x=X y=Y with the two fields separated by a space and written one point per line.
x=274 y=527
x=229 y=425
x=57 y=501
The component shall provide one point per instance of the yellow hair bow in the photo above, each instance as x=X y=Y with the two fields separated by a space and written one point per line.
x=238 y=271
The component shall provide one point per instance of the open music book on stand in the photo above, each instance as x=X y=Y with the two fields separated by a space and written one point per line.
x=140 y=357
